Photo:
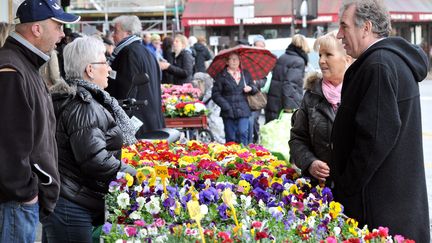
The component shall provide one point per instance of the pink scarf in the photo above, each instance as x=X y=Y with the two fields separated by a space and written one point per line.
x=236 y=74
x=332 y=93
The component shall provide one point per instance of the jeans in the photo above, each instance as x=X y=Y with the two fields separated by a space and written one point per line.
x=254 y=126
x=18 y=222
x=237 y=130
x=69 y=223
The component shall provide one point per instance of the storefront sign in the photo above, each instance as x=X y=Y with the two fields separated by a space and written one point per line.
x=254 y=21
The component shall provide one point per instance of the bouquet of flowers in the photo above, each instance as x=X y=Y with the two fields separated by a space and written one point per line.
x=223 y=193
x=182 y=101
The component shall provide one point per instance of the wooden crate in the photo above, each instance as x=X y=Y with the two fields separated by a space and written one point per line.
x=186 y=122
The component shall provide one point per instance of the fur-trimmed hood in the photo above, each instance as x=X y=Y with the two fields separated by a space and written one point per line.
x=61 y=87
x=312 y=82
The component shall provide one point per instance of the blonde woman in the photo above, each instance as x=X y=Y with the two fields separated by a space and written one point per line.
x=182 y=67
x=311 y=131
x=286 y=89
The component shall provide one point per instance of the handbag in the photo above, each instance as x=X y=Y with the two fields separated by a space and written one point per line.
x=256 y=101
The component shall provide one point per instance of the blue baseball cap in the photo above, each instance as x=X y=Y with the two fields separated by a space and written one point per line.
x=38 y=10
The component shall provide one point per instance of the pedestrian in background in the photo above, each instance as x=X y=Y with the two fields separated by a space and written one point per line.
x=254 y=128
x=377 y=160
x=229 y=92
x=129 y=59
x=29 y=178
x=182 y=67
x=167 y=56
x=312 y=122
x=286 y=88
x=202 y=54
x=91 y=130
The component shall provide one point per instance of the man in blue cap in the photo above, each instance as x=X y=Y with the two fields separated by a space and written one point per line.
x=29 y=178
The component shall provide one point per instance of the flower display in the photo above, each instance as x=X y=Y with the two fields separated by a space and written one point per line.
x=182 y=101
x=196 y=192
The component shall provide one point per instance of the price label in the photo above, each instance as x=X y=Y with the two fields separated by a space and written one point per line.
x=161 y=171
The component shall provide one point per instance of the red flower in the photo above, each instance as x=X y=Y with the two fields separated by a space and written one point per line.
x=261 y=235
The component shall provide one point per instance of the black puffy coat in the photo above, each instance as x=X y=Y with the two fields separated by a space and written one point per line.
x=182 y=67
x=229 y=95
x=286 y=88
x=89 y=143
x=202 y=54
x=312 y=126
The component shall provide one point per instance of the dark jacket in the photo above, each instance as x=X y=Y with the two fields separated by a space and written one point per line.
x=132 y=60
x=312 y=126
x=182 y=68
x=286 y=88
x=27 y=128
x=202 y=54
x=377 y=163
x=89 y=143
x=229 y=95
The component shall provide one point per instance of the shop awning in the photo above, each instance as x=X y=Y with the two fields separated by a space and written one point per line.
x=220 y=12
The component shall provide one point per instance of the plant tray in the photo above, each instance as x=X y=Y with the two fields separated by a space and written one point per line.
x=186 y=122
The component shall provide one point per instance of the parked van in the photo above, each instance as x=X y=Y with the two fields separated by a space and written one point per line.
x=278 y=46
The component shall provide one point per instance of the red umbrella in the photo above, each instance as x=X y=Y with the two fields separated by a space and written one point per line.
x=258 y=61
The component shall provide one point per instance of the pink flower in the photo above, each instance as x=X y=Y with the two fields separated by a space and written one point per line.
x=130 y=231
x=140 y=223
x=383 y=231
x=159 y=222
x=331 y=239
x=256 y=224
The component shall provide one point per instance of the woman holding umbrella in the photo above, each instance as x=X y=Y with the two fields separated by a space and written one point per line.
x=231 y=86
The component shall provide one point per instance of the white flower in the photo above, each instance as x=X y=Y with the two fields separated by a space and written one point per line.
x=141 y=202
x=199 y=107
x=138 y=188
x=337 y=231
x=262 y=205
x=246 y=201
x=152 y=231
x=123 y=200
x=204 y=209
x=153 y=206
x=120 y=175
x=135 y=215
x=161 y=239
x=142 y=233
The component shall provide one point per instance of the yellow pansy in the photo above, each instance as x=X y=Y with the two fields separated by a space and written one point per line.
x=335 y=209
x=251 y=212
x=246 y=186
x=186 y=160
x=129 y=179
x=294 y=189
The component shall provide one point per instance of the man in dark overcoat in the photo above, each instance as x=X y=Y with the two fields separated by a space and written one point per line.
x=130 y=58
x=377 y=165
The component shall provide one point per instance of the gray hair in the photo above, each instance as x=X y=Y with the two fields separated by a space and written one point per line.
x=79 y=53
x=129 y=23
x=370 y=10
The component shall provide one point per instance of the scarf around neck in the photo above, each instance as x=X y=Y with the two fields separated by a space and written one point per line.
x=332 y=93
x=127 y=41
x=122 y=120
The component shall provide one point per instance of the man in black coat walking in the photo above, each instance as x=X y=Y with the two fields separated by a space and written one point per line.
x=130 y=58
x=377 y=165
